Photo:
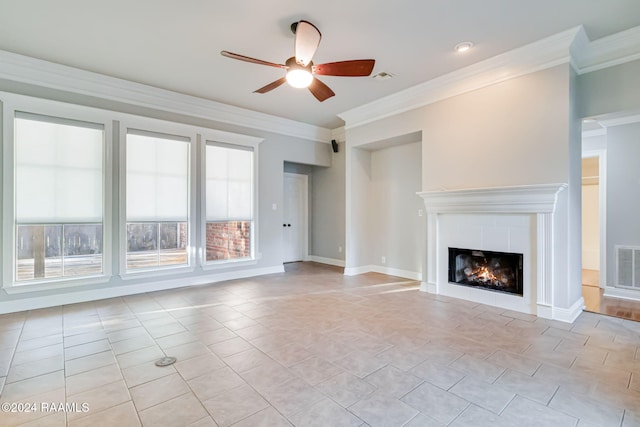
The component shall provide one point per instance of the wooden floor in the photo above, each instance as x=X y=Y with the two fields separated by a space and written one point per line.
x=596 y=302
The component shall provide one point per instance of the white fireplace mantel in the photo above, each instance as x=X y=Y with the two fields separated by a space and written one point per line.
x=539 y=200
x=518 y=199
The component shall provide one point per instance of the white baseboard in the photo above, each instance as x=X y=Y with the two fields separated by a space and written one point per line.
x=628 y=294
x=544 y=311
x=570 y=314
x=33 y=303
x=432 y=288
x=329 y=261
x=406 y=274
x=353 y=271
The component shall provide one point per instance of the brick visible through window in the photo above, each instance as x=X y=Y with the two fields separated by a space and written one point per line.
x=228 y=240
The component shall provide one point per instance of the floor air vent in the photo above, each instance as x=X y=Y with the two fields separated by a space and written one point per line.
x=628 y=266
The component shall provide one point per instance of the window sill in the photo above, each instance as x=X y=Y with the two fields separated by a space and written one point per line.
x=160 y=271
x=25 y=287
x=219 y=265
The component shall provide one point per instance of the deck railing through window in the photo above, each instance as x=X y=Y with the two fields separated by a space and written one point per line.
x=45 y=251
x=156 y=244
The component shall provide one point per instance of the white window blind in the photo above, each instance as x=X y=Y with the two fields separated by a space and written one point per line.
x=229 y=179
x=59 y=177
x=157 y=177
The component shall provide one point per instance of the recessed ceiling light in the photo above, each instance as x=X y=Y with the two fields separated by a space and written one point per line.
x=463 y=47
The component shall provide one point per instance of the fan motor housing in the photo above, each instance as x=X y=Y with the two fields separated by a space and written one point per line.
x=292 y=64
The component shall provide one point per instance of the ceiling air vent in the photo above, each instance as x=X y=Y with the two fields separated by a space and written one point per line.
x=382 y=75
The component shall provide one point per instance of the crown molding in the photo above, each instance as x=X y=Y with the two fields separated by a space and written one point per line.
x=542 y=54
x=38 y=72
x=619 y=120
x=594 y=132
x=616 y=49
x=571 y=46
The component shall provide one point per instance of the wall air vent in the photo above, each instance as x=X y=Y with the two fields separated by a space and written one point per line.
x=628 y=266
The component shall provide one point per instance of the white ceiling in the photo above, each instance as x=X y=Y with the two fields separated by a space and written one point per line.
x=175 y=45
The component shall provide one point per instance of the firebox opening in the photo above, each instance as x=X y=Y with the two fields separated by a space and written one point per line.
x=494 y=271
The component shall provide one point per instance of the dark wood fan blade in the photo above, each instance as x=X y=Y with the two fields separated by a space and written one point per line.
x=249 y=59
x=271 y=86
x=320 y=90
x=355 y=68
x=306 y=43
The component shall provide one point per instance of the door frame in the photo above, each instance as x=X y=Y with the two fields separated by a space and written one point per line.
x=305 y=211
x=601 y=154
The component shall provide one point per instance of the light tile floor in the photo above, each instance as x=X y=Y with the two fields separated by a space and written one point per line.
x=312 y=347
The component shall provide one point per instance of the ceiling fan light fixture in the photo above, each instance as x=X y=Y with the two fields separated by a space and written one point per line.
x=299 y=78
x=300 y=70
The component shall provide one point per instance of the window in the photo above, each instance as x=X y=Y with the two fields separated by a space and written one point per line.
x=229 y=202
x=157 y=200
x=174 y=190
x=59 y=193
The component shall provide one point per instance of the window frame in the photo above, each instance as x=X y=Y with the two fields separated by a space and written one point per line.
x=168 y=129
x=12 y=103
x=221 y=138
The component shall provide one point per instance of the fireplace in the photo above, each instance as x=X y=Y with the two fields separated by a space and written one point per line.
x=521 y=220
x=493 y=271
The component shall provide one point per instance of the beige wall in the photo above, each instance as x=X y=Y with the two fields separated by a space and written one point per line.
x=328 y=198
x=510 y=133
x=395 y=180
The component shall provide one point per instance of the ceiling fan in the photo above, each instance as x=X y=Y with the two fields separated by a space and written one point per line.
x=300 y=69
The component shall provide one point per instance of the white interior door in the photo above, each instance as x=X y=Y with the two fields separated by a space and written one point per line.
x=294 y=218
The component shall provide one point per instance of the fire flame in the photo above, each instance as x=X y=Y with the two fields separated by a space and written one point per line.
x=485 y=274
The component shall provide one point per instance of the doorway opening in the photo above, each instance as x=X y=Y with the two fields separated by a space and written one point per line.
x=603 y=156
x=592 y=227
